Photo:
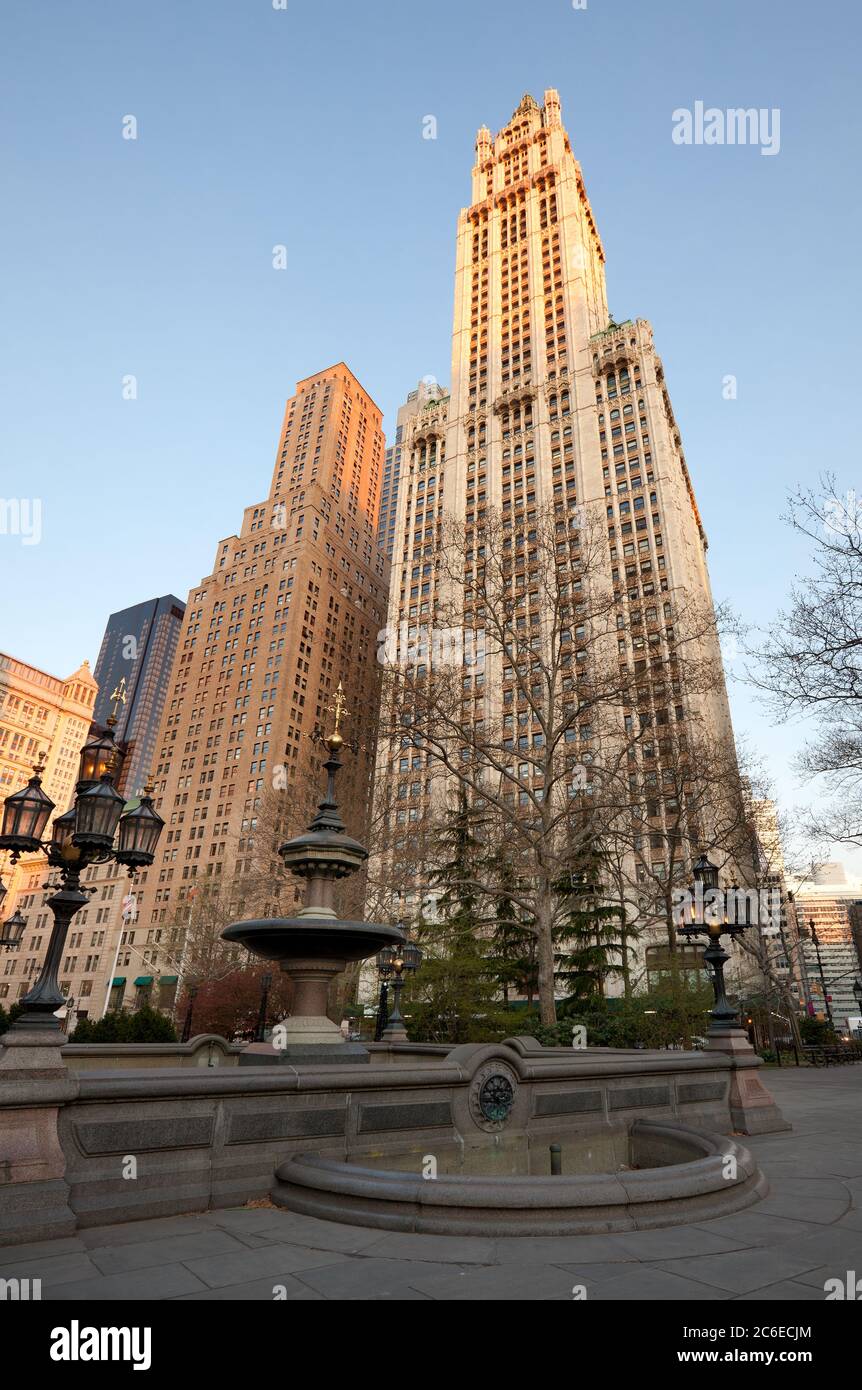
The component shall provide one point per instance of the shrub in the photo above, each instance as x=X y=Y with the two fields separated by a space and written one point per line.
x=145 y=1025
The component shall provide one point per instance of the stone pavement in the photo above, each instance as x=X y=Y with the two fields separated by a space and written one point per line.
x=809 y=1229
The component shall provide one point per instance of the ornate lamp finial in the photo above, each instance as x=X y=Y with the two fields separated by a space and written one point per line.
x=335 y=741
x=119 y=698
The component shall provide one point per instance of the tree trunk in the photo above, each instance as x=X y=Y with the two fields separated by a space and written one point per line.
x=545 y=959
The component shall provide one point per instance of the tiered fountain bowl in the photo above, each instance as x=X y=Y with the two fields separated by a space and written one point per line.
x=316 y=945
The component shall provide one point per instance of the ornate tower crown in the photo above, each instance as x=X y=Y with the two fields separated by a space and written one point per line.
x=527 y=103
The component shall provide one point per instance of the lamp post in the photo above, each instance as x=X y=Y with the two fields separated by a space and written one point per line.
x=400 y=958
x=714 y=920
x=812 y=932
x=801 y=963
x=857 y=993
x=265 y=986
x=384 y=975
x=99 y=827
x=191 y=991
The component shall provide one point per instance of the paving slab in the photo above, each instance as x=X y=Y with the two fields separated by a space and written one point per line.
x=751 y=1228
x=508 y=1283
x=560 y=1249
x=838 y=1245
x=788 y=1291
x=645 y=1282
x=119 y=1259
x=743 y=1270
x=818 y=1210
x=217 y=1271
x=675 y=1241
x=404 y=1245
x=37 y=1249
x=132 y=1232
x=288 y=1226
x=368 y=1278
x=169 y=1281
x=289 y=1288
x=51 y=1269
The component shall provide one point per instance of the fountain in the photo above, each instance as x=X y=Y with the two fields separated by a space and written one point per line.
x=316 y=945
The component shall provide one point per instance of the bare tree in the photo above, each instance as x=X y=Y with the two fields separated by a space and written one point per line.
x=527 y=688
x=808 y=662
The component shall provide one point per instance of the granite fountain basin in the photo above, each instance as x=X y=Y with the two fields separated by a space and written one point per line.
x=301 y=938
x=647 y=1175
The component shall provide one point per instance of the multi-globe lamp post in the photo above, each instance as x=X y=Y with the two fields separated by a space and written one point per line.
x=99 y=827
x=392 y=962
x=711 y=917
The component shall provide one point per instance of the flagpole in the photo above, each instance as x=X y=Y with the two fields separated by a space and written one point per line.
x=123 y=927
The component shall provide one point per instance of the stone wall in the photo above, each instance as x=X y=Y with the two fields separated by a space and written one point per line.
x=202 y=1137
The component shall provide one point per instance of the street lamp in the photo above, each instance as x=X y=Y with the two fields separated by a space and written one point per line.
x=384 y=974
x=265 y=986
x=191 y=991
x=404 y=957
x=98 y=828
x=714 y=920
x=812 y=931
x=11 y=931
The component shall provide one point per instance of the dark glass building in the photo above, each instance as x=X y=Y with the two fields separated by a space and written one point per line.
x=139 y=646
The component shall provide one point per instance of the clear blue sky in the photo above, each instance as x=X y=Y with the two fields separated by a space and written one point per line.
x=303 y=127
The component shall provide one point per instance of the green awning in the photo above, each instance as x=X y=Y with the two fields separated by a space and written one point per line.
x=168 y=979
x=118 y=980
x=144 y=980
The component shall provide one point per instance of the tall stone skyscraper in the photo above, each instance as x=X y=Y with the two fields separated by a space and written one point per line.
x=292 y=607
x=138 y=649
x=553 y=406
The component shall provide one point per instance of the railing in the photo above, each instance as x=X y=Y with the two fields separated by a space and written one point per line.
x=833 y=1054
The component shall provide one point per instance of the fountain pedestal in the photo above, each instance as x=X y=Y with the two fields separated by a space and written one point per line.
x=316 y=945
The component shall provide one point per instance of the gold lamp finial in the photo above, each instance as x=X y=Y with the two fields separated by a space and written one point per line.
x=334 y=741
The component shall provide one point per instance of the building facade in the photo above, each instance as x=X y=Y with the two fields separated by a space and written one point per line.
x=554 y=409
x=137 y=656
x=291 y=609
x=42 y=717
x=427 y=392
x=833 y=963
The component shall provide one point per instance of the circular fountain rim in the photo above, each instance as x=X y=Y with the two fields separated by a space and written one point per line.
x=694 y=1190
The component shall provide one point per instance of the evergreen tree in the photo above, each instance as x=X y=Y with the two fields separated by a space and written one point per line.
x=591 y=935
x=454 y=991
x=513 y=944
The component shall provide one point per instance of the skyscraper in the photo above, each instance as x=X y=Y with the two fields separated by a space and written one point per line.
x=138 y=648
x=426 y=394
x=554 y=406
x=292 y=607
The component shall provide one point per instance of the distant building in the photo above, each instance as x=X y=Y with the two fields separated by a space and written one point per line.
x=292 y=608
x=427 y=392
x=40 y=716
x=830 y=906
x=138 y=647
x=832 y=872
